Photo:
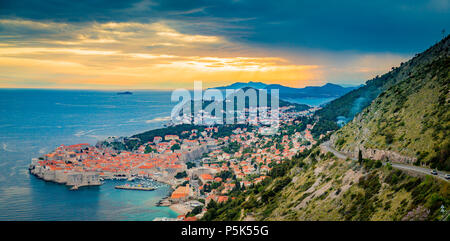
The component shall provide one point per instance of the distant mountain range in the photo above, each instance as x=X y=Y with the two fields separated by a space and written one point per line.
x=328 y=90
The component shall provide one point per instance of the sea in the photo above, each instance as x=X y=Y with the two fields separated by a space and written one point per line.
x=36 y=121
x=312 y=101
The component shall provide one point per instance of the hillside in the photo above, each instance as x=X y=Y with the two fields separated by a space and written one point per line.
x=346 y=107
x=135 y=141
x=240 y=85
x=281 y=102
x=323 y=187
x=409 y=121
x=236 y=98
x=405 y=118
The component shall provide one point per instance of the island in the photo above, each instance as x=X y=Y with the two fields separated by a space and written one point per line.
x=125 y=93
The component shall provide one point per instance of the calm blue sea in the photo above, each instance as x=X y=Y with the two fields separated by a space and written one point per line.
x=311 y=101
x=34 y=122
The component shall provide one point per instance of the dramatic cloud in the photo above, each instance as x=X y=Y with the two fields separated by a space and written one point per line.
x=168 y=44
x=131 y=54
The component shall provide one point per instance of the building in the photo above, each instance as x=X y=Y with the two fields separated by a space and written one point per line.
x=157 y=139
x=171 y=137
x=181 y=193
x=206 y=178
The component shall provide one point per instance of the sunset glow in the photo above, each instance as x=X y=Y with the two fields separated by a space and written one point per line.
x=142 y=44
x=113 y=55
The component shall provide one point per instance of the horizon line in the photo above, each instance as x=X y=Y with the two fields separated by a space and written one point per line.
x=156 y=89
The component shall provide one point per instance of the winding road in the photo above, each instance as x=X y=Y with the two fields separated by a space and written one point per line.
x=419 y=170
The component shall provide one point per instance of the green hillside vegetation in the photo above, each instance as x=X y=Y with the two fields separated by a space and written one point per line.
x=234 y=97
x=355 y=101
x=322 y=187
x=405 y=111
x=411 y=117
x=135 y=141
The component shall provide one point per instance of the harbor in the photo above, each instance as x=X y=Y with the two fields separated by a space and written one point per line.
x=127 y=187
x=139 y=184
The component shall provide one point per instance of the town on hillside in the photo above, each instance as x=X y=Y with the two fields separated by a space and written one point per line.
x=198 y=164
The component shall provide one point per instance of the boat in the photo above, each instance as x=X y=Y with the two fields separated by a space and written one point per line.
x=128 y=187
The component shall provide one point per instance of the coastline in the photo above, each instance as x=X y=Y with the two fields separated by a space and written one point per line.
x=85 y=165
x=179 y=208
x=42 y=196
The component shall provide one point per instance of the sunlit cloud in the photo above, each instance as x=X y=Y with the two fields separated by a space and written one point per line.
x=154 y=55
x=19 y=51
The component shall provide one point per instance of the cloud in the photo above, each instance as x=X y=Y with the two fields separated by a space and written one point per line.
x=99 y=55
x=168 y=44
x=376 y=26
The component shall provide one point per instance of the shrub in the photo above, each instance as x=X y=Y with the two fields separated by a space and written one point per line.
x=180 y=175
x=340 y=142
x=378 y=164
x=389 y=138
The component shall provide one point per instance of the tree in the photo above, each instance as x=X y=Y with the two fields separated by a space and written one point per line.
x=211 y=204
x=237 y=187
x=195 y=211
x=181 y=175
x=149 y=149
x=175 y=147
x=190 y=165
x=232 y=147
x=378 y=164
x=360 y=159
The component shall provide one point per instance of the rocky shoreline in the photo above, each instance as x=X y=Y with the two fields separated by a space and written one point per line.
x=71 y=179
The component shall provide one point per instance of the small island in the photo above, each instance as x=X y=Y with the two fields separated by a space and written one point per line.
x=125 y=93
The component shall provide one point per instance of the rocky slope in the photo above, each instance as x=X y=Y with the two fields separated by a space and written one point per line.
x=408 y=121
x=346 y=107
x=324 y=187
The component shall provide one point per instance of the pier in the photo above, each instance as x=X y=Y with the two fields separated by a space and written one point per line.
x=135 y=188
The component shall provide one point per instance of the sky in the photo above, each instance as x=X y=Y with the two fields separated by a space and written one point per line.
x=168 y=44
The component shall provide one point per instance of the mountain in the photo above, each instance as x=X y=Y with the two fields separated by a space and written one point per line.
x=240 y=85
x=326 y=91
x=341 y=110
x=409 y=121
x=401 y=115
x=281 y=102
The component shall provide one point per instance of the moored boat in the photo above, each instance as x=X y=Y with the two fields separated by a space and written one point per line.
x=128 y=187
